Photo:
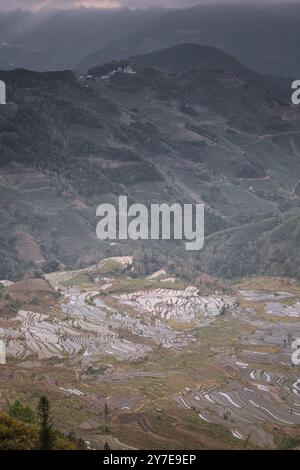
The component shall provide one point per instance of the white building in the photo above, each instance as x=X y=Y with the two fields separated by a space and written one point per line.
x=129 y=70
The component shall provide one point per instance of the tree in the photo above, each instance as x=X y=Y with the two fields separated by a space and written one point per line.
x=21 y=412
x=51 y=266
x=105 y=418
x=106 y=413
x=46 y=436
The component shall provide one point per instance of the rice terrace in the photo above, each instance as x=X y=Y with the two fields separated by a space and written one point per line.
x=160 y=355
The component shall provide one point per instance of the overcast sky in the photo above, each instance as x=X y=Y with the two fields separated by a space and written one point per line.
x=37 y=4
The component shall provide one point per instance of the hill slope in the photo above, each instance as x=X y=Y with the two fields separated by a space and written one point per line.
x=214 y=131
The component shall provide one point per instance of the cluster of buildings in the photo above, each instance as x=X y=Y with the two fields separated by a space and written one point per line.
x=127 y=70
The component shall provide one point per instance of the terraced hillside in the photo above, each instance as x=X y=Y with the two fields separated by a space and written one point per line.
x=155 y=363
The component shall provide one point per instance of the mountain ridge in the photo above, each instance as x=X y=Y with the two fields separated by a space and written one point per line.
x=155 y=135
x=228 y=27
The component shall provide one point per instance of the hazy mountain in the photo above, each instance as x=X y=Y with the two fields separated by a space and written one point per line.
x=211 y=131
x=52 y=40
x=186 y=57
x=263 y=37
x=266 y=41
x=291 y=10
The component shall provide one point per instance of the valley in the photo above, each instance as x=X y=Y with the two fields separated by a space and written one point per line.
x=173 y=368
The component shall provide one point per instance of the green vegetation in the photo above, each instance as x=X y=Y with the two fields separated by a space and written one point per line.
x=79 y=280
x=21 y=412
x=112 y=267
x=15 y=434
x=285 y=442
x=21 y=430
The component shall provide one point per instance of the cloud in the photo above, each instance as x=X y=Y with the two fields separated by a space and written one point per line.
x=39 y=4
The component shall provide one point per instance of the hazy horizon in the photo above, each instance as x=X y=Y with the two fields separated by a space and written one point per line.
x=37 y=5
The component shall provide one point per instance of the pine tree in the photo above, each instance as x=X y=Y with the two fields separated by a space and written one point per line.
x=105 y=418
x=106 y=413
x=46 y=435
